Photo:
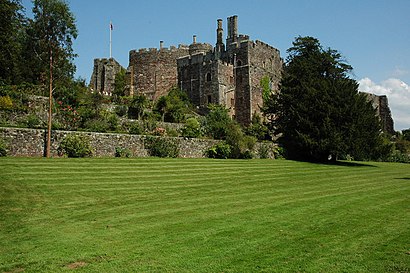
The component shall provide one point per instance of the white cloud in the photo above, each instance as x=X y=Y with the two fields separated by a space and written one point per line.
x=398 y=94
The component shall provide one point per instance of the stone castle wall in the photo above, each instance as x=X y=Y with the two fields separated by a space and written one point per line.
x=103 y=77
x=381 y=104
x=31 y=143
x=154 y=71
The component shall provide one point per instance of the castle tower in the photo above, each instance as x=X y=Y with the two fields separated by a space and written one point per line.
x=220 y=47
x=232 y=29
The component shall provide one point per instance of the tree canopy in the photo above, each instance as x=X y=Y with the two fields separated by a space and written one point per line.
x=12 y=23
x=319 y=113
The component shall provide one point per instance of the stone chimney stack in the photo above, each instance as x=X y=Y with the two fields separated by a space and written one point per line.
x=161 y=45
x=220 y=47
x=232 y=29
x=194 y=39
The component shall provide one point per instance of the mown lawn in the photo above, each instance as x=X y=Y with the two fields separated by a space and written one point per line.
x=201 y=215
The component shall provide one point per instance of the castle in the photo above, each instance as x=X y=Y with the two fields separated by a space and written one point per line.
x=228 y=73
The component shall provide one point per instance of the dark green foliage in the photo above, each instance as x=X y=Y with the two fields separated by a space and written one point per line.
x=258 y=129
x=319 y=113
x=51 y=32
x=138 y=106
x=19 y=94
x=75 y=146
x=406 y=134
x=241 y=145
x=71 y=93
x=122 y=152
x=121 y=110
x=264 y=151
x=162 y=147
x=217 y=121
x=136 y=129
x=221 y=150
x=397 y=156
x=192 y=128
x=32 y=121
x=3 y=148
x=174 y=106
x=119 y=85
x=97 y=125
x=11 y=38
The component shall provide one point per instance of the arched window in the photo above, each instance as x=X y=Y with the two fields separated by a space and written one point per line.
x=208 y=77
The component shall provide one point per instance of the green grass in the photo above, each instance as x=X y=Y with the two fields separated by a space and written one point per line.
x=201 y=215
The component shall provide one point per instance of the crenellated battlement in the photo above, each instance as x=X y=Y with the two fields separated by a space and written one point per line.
x=151 y=50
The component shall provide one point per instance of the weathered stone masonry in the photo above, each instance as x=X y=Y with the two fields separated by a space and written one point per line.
x=31 y=143
x=103 y=77
x=153 y=72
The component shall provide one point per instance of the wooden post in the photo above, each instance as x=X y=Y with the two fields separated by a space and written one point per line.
x=50 y=106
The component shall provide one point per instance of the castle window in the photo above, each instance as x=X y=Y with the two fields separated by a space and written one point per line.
x=208 y=77
x=231 y=80
x=209 y=99
x=232 y=102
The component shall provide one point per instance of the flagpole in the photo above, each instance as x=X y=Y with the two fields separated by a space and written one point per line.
x=110 y=39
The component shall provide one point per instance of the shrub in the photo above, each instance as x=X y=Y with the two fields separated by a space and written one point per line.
x=32 y=121
x=172 y=132
x=397 y=156
x=192 y=128
x=3 y=148
x=221 y=150
x=217 y=122
x=97 y=125
x=241 y=145
x=162 y=147
x=121 y=110
x=122 y=152
x=136 y=129
x=75 y=146
x=6 y=103
x=264 y=151
x=112 y=121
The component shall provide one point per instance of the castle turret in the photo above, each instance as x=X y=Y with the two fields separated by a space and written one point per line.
x=220 y=47
x=232 y=29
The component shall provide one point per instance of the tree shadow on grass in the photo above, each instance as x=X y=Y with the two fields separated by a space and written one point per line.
x=342 y=163
x=403 y=178
x=352 y=164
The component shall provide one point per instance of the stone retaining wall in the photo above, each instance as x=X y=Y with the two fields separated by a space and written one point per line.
x=31 y=143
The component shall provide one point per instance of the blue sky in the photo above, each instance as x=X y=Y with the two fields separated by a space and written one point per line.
x=373 y=36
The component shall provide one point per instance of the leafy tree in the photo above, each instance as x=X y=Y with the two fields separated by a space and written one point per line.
x=318 y=112
x=217 y=121
x=137 y=106
x=406 y=134
x=174 y=106
x=12 y=22
x=192 y=128
x=119 y=84
x=50 y=38
x=258 y=129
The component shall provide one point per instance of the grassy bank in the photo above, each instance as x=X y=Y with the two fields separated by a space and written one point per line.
x=179 y=215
